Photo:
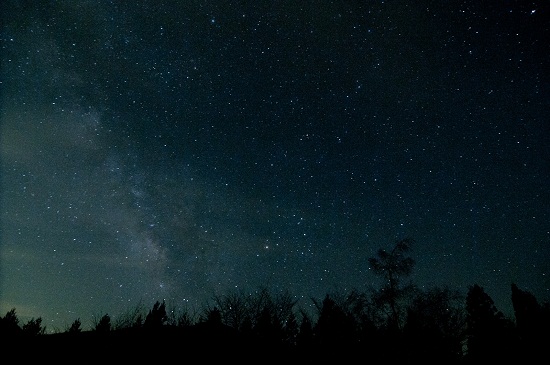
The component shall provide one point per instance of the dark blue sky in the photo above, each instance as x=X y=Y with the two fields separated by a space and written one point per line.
x=175 y=150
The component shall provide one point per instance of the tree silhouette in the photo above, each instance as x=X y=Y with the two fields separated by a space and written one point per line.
x=261 y=317
x=103 y=325
x=398 y=323
x=9 y=325
x=358 y=306
x=75 y=327
x=532 y=323
x=157 y=316
x=213 y=317
x=267 y=330
x=393 y=267
x=34 y=327
x=132 y=318
x=184 y=320
x=234 y=309
x=489 y=333
x=290 y=330
x=335 y=330
x=434 y=330
x=304 y=338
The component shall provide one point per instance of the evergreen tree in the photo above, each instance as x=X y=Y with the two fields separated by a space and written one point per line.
x=34 y=327
x=157 y=316
x=103 y=325
x=335 y=330
x=305 y=337
x=489 y=333
x=532 y=323
x=75 y=327
x=290 y=330
x=9 y=325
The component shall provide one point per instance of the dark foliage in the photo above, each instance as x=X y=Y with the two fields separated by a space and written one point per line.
x=394 y=325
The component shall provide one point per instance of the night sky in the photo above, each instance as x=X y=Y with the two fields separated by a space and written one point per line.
x=178 y=150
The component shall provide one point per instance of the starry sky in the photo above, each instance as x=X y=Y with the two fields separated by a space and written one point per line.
x=178 y=150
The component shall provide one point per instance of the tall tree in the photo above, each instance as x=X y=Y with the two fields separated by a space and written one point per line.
x=305 y=337
x=290 y=330
x=532 y=323
x=335 y=330
x=393 y=267
x=489 y=333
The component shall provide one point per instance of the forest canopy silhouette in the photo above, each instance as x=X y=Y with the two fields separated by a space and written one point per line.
x=396 y=322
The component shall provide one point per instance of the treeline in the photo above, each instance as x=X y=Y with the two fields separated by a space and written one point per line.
x=397 y=323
